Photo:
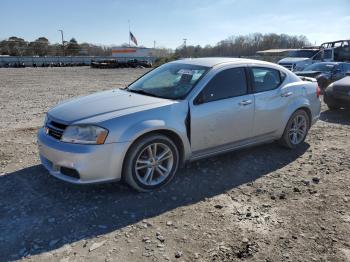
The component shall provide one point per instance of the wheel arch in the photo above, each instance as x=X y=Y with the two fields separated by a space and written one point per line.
x=297 y=104
x=171 y=134
x=308 y=111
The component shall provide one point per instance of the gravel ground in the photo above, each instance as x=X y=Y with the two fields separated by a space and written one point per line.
x=260 y=204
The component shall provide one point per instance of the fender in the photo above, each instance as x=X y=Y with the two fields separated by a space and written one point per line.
x=297 y=103
x=141 y=128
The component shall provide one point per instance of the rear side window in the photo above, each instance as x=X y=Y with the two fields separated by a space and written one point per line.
x=347 y=67
x=266 y=79
x=228 y=83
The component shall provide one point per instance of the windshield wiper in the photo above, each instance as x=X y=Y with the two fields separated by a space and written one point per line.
x=142 y=92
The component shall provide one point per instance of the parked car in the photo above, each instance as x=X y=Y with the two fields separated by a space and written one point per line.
x=337 y=94
x=106 y=63
x=325 y=72
x=181 y=111
x=298 y=59
x=336 y=51
x=114 y=63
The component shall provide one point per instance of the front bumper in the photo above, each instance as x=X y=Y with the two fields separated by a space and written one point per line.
x=91 y=163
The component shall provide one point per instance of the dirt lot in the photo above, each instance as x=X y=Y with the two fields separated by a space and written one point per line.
x=259 y=204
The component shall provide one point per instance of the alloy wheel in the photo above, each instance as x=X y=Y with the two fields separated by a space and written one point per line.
x=154 y=164
x=298 y=129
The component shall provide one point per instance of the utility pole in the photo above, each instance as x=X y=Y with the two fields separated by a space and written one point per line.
x=62 y=41
x=185 y=47
x=129 y=32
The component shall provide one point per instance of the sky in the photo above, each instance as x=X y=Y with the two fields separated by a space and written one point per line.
x=168 y=22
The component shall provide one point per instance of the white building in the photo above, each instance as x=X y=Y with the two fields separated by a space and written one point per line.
x=140 y=53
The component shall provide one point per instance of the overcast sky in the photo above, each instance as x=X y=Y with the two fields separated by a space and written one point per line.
x=169 y=21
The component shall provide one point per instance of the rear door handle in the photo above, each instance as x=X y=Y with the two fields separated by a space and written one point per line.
x=286 y=94
x=245 y=102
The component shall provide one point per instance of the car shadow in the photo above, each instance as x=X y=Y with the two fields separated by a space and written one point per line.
x=39 y=213
x=340 y=116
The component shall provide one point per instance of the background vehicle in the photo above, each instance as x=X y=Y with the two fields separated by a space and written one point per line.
x=113 y=63
x=325 y=72
x=181 y=111
x=298 y=59
x=341 y=49
x=337 y=95
x=336 y=51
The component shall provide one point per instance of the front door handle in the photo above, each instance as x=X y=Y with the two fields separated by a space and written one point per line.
x=245 y=102
x=286 y=94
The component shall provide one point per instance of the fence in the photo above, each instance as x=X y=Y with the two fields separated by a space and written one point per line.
x=65 y=60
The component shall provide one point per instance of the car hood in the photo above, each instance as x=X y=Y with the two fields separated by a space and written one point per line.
x=116 y=101
x=308 y=73
x=293 y=59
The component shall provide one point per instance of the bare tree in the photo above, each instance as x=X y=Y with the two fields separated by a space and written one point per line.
x=245 y=45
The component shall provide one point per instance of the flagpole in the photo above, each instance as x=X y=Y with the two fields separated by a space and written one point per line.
x=129 y=32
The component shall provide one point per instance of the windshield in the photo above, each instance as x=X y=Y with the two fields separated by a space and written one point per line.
x=172 y=81
x=303 y=53
x=320 y=67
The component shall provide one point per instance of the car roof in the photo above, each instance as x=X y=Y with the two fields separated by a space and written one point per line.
x=214 y=61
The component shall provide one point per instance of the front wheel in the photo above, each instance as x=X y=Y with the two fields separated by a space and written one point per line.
x=296 y=130
x=151 y=162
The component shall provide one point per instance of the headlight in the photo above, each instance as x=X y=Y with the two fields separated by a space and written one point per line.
x=45 y=120
x=84 y=134
x=298 y=68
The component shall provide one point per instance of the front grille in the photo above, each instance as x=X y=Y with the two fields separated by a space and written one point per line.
x=58 y=125
x=288 y=66
x=55 y=129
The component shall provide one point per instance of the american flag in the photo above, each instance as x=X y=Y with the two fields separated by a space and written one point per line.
x=133 y=38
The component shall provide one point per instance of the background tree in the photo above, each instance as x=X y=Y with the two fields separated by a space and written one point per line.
x=72 y=48
x=39 y=47
x=13 y=46
x=233 y=46
x=244 y=45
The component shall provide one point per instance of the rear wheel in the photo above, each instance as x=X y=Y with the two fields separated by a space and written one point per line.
x=296 y=130
x=151 y=163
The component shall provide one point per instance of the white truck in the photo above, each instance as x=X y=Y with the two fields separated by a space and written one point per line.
x=298 y=59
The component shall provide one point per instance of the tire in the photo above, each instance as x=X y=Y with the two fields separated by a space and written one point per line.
x=288 y=138
x=144 y=172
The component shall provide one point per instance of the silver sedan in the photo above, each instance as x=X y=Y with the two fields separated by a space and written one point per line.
x=181 y=111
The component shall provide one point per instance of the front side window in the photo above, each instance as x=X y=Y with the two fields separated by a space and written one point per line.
x=303 y=53
x=225 y=84
x=172 y=81
x=266 y=79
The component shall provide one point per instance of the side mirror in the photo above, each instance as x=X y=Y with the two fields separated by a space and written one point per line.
x=199 y=99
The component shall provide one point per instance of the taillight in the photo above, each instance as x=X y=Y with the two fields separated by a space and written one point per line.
x=318 y=91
